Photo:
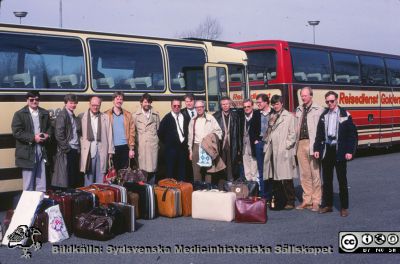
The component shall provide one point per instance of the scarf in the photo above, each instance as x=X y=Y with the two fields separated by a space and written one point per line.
x=271 y=123
x=90 y=136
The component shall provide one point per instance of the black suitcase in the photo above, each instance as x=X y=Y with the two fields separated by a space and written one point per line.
x=147 y=204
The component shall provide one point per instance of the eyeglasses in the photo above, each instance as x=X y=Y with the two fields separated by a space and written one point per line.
x=33 y=99
x=247 y=106
x=197 y=107
x=176 y=106
x=329 y=101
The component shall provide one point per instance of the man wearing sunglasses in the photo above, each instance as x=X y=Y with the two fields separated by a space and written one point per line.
x=31 y=128
x=173 y=133
x=335 y=144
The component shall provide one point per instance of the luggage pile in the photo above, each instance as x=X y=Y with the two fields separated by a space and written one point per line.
x=103 y=211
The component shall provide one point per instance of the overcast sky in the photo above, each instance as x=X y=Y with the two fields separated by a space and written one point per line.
x=371 y=25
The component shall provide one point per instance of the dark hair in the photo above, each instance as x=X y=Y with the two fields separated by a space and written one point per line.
x=32 y=94
x=248 y=100
x=189 y=95
x=118 y=93
x=276 y=98
x=332 y=93
x=146 y=97
x=70 y=98
x=307 y=88
x=176 y=99
x=223 y=98
x=263 y=97
x=93 y=96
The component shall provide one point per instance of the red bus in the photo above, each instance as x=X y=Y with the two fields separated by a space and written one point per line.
x=368 y=83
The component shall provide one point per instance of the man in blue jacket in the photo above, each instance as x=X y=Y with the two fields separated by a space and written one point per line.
x=335 y=143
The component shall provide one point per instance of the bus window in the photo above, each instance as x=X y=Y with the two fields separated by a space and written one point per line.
x=261 y=62
x=237 y=84
x=126 y=66
x=41 y=62
x=186 y=68
x=217 y=87
x=372 y=70
x=346 y=68
x=311 y=65
x=393 y=71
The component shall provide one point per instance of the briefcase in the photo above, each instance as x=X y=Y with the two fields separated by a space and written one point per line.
x=128 y=212
x=251 y=210
x=186 y=193
x=41 y=219
x=169 y=202
x=147 y=204
x=213 y=205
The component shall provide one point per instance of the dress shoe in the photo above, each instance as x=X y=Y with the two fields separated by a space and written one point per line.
x=303 y=206
x=326 y=209
x=344 y=212
x=315 y=208
x=289 y=207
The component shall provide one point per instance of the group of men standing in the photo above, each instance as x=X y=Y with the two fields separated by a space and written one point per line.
x=259 y=145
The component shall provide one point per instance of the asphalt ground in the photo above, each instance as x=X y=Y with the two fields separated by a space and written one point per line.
x=374 y=183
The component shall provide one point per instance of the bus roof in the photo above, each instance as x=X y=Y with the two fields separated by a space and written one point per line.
x=2 y=25
x=261 y=44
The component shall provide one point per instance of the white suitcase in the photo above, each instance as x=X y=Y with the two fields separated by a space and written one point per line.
x=213 y=205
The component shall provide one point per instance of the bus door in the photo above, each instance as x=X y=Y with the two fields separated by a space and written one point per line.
x=386 y=117
x=217 y=85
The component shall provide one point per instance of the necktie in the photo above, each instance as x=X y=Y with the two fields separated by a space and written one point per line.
x=191 y=113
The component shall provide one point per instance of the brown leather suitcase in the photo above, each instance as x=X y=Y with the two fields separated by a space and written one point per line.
x=250 y=210
x=133 y=199
x=169 y=201
x=186 y=193
x=65 y=200
x=116 y=191
x=147 y=201
x=105 y=196
x=41 y=222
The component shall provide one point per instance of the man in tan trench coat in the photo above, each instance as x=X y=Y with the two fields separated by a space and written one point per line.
x=147 y=122
x=279 y=148
x=96 y=142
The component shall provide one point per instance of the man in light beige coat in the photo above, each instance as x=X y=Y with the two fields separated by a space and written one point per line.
x=279 y=148
x=199 y=127
x=307 y=117
x=147 y=122
x=96 y=142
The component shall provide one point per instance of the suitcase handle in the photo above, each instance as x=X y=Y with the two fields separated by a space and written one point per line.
x=164 y=196
x=167 y=181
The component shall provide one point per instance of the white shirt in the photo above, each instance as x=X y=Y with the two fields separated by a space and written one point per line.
x=34 y=113
x=93 y=144
x=248 y=117
x=179 y=124
x=192 y=113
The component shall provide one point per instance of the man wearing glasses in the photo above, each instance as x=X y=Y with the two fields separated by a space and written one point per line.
x=249 y=157
x=335 y=143
x=199 y=127
x=31 y=128
x=173 y=133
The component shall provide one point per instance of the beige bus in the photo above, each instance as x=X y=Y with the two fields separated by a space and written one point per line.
x=56 y=62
